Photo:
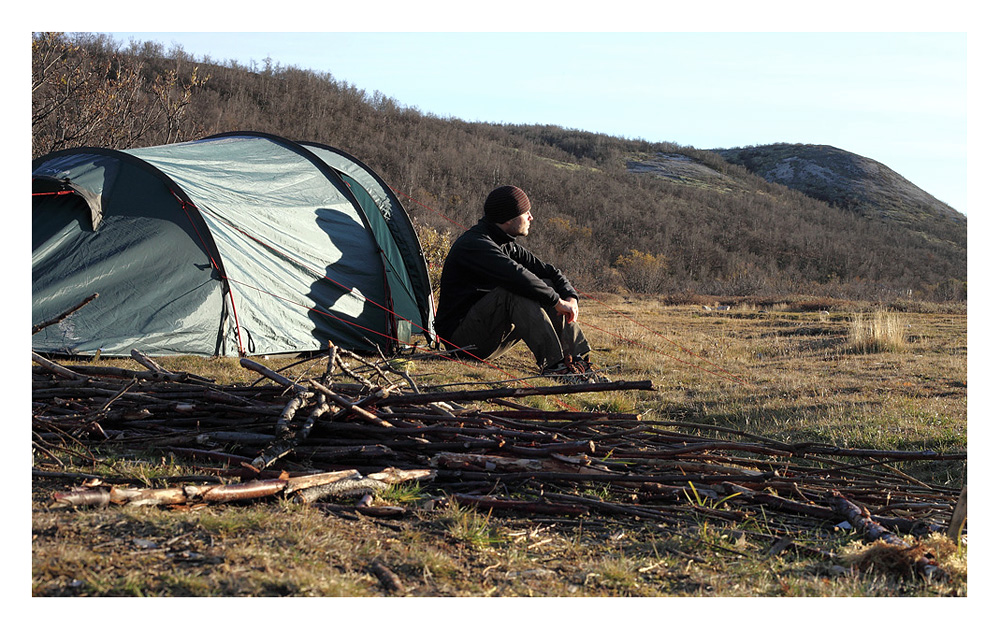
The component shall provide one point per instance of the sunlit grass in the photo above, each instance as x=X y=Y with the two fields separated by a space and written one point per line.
x=472 y=527
x=782 y=374
x=881 y=331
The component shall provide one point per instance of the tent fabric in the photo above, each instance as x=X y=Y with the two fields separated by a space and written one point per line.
x=391 y=226
x=235 y=244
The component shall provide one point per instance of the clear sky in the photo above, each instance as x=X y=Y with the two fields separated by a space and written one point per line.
x=898 y=98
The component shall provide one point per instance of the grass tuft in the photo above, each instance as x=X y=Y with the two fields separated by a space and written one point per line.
x=881 y=331
x=892 y=561
x=469 y=526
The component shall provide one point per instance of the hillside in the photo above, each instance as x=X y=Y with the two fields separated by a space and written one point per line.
x=616 y=214
x=853 y=182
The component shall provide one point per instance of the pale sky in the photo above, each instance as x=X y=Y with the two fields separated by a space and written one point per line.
x=898 y=98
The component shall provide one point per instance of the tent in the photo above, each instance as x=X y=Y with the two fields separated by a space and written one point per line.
x=236 y=244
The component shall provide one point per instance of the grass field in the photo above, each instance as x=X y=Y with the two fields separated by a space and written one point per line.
x=795 y=371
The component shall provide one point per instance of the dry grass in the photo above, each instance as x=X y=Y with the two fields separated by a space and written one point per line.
x=891 y=561
x=880 y=331
x=786 y=374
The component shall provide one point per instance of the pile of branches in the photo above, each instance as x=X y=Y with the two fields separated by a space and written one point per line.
x=359 y=426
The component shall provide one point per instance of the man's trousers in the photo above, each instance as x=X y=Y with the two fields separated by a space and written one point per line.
x=501 y=319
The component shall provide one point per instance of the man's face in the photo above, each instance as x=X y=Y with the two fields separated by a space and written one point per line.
x=519 y=225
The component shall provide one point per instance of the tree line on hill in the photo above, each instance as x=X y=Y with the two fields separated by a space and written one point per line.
x=608 y=228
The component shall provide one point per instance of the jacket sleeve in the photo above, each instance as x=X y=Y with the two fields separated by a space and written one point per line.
x=520 y=272
x=544 y=271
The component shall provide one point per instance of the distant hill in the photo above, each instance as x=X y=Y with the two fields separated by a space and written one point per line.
x=882 y=201
x=855 y=183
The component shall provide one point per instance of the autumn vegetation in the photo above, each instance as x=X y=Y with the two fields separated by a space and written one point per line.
x=609 y=228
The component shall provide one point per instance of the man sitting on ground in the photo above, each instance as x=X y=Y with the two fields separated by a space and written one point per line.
x=495 y=293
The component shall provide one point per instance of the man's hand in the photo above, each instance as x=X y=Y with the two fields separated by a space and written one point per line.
x=569 y=308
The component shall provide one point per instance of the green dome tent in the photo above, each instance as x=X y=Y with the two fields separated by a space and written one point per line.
x=236 y=244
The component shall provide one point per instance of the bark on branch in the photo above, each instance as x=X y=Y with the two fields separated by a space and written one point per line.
x=860 y=519
x=512 y=392
x=62 y=316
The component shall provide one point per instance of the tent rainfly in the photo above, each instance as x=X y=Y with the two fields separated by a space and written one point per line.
x=236 y=244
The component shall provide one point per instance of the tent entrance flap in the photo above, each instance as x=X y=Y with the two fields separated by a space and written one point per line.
x=88 y=175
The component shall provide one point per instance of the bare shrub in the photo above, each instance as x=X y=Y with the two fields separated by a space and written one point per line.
x=642 y=272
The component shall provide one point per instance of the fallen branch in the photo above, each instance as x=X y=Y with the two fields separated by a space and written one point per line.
x=55 y=368
x=305 y=489
x=372 y=437
x=271 y=374
x=531 y=507
x=59 y=318
x=512 y=392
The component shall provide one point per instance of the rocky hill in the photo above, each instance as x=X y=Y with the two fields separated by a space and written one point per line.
x=853 y=182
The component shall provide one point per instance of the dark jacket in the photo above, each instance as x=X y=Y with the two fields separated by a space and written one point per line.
x=484 y=258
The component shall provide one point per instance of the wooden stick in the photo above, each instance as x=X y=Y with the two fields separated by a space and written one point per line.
x=538 y=414
x=346 y=369
x=395 y=475
x=780 y=503
x=351 y=407
x=532 y=507
x=342 y=487
x=271 y=374
x=255 y=489
x=148 y=496
x=158 y=372
x=860 y=519
x=958 y=517
x=55 y=368
x=515 y=392
x=82 y=497
x=59 y=318
x=297 y=484
x=282 y=429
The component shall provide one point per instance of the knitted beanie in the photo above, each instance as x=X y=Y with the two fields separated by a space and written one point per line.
x=505 y=203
